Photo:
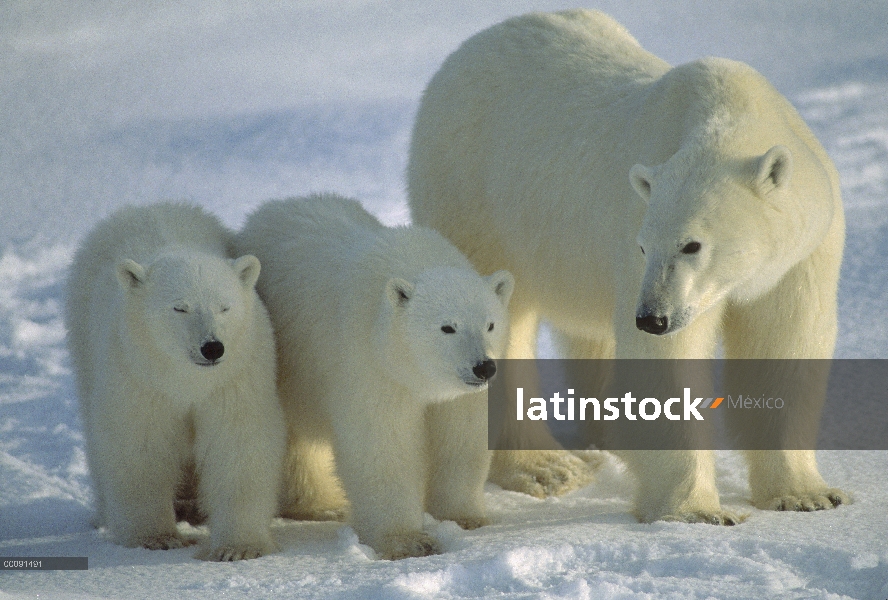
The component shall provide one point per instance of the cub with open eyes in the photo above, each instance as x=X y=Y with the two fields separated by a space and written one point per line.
x=386 y=342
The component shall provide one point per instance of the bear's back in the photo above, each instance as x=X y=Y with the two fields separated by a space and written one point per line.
x=585 y=43
x=327 y=246
x=577 y=53
x=509 y=104
x=407 y=251
x=325 y=262
x=307 y=242
x=139 y=232
x=310 y=249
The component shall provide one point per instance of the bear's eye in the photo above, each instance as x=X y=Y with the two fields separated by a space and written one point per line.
x=448 y=329
x=180 y=309
x=490 y=327
x=642 y=249
x=691 y=248
x=225 y=309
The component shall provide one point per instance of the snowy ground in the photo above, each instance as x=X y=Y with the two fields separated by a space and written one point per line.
x=230 y=104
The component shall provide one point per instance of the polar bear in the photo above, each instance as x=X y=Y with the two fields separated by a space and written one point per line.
x=531 y=148
x=386 y=341
x=173 y=354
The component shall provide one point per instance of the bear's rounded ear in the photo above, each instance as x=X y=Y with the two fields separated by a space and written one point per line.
x=247 y=268
x=773 y=169
x=503 y=284
x=398 y=291
x=640 y=177
x=130 y=274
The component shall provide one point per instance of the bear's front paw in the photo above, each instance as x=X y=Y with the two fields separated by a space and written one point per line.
x=164 y=541
x=710 y=517
x=405 y=545
x=821 y=500
x=542 y=473
x=232 y=552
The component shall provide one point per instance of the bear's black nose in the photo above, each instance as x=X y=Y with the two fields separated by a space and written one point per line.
x=213 y=350
x=484 y=370
x=652 y=324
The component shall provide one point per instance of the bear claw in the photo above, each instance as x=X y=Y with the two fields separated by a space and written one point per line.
x=827 y=499
x=231 y=553
x=409 y=545
x=165 y=541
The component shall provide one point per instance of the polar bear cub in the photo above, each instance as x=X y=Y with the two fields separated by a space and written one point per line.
x=386 y=342
x=173 y=355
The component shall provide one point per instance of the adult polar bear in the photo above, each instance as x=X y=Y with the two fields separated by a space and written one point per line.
x=526 y=149
x=173 y=354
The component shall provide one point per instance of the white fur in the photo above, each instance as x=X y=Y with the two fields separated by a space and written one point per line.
x=358 y=311
x=149 y=287
x=532 y=146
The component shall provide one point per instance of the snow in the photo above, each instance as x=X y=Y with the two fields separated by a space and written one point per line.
x=229 y=104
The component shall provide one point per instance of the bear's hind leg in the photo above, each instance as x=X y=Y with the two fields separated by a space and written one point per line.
x=311 y=488
x=538 y=473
